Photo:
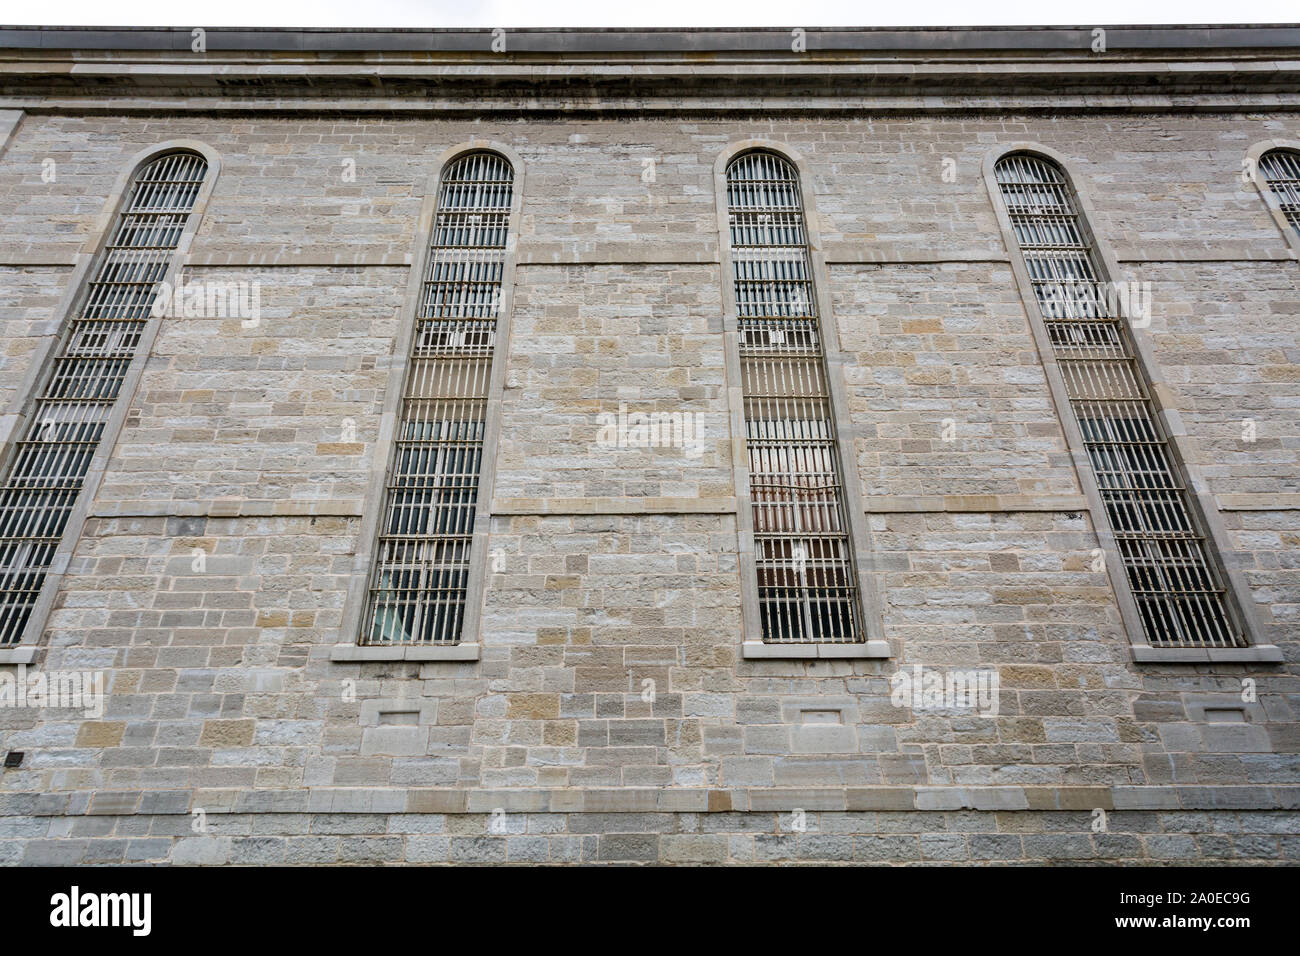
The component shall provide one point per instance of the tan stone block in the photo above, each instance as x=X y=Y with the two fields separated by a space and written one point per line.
x=226 y=733
x=158 y=682
x=1021 y=730
x=533 y=706
x=914 y=326
x=1004 y=561
x=1026 y=675
x=560 y=733
x=126 y=681
x=100 y=733
x=435 y=801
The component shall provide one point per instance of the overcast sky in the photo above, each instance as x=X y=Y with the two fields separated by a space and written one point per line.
x=641 y=13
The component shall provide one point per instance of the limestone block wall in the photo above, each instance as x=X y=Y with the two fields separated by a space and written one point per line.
x=610 y=716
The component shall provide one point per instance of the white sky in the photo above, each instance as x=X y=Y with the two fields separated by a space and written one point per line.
x=640 y=13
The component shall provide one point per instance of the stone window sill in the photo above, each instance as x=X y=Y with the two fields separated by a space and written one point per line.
x=17 y=655
x=1259 y=654
x=757 y=650
x=358 y=653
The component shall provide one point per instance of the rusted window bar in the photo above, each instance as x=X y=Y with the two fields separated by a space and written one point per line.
x=1281 y=170
x=417 y=586
x=1178 y=590
x=53 y=454
x=807 y=582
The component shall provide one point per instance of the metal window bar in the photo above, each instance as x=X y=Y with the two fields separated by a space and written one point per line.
x=1281 y=169
x=417 y=587
x=807 y=581
x=1179 y=594
x=53 y=453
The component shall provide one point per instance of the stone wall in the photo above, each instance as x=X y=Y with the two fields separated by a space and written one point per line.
x=618 y=566
x=939 y=837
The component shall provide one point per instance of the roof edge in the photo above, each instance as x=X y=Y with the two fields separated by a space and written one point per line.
x=656 y=39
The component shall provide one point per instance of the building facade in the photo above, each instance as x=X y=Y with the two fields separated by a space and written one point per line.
x=760 y=446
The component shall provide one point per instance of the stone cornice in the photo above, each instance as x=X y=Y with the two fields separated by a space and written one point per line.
x=605 y=41
x=454 y=71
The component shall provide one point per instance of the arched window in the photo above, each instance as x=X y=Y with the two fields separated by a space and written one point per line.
x=51 y=457
x=807 y=582
x=1281 y=170
x=417 y=587
x=1178 y=590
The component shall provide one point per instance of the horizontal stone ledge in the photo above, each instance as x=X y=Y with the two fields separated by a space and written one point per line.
x=949 y=76
x=619 y=253
x=477 y=63
x=910 y=504
x=352 y=509
x=227 y=508
x=360 y=654
x=1258 y=502
x=17 y=259
x=902 y=799
x=13 y=656
x=836 y=254
x=108 y=104
x=1240 y=251
x=846 y=42
x=760 y=651
x=298 y=258
x=1256 y=654
x=867 y=252
x=612 y=506
x=872 y=504
x=556 y=66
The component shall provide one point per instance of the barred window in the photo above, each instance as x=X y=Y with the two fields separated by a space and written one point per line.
x=1281 y=170
x=1179 y=592
x=52 y=455
x=417 y=587
x=807 y=582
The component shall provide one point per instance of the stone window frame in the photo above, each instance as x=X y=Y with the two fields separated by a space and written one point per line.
x=1253 y=156
x=40 y=368
x=875 y=644
x=1239 y=600
x=351 y=649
